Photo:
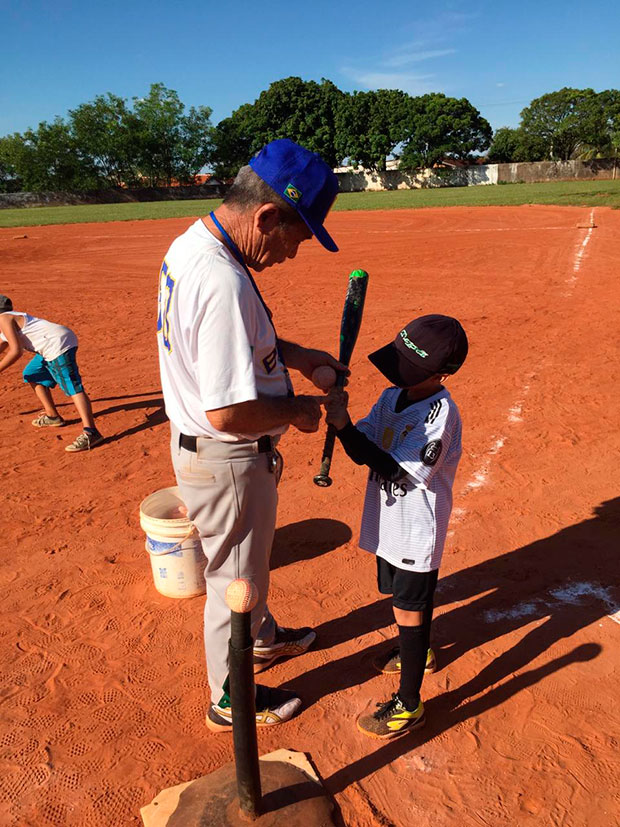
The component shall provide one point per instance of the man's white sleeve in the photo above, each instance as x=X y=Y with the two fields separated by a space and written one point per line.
x=225 y=360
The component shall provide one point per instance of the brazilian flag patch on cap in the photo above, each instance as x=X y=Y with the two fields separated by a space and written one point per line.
x=292 y=193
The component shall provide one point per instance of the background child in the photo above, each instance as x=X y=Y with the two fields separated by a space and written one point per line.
x=54 y=363
x=411 y=441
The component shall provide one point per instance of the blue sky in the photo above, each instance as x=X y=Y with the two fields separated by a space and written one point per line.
x=500 y=55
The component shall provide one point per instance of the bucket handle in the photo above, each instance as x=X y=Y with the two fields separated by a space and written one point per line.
x=174 y=548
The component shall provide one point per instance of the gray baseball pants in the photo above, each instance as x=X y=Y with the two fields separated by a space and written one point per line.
x=231 y=497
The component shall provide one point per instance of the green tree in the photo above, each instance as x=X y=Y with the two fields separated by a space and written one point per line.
x=233 y=141
x=170 y=145
x=515 y=145
x=504 y=146
x=564 y=121
x=104 y=130
x=370 y=125
x=9 y=177
x=606 y=143
x=442 y=127
x=304 y=111
x=48 y=159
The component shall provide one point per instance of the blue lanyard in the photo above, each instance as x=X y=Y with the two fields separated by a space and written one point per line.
x=239 y=256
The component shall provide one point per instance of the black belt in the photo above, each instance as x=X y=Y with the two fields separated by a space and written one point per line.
x=264 y=444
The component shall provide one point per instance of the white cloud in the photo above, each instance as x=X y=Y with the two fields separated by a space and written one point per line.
x=432 y=39
x=500 y=85
x=413 y=84
x=416 y=56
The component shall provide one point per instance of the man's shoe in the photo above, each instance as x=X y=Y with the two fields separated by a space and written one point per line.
x=390 y=664
x=391 y=719
x=45 y=421
x=273 y=706
x=287 y=642
x=84 y=442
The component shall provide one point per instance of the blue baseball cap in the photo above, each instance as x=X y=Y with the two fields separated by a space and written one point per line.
x=303 y=179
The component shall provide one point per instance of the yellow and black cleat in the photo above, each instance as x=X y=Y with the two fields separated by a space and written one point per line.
x=390 y=664
x=391 y=719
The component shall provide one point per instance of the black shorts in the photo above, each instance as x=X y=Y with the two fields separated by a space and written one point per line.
x=412 y=590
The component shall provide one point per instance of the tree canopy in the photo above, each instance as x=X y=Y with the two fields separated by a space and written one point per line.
x=154 y=140
x=564 y=121
x=370 y=125
x=441 y=127
x=304 y=111
x=107 y=142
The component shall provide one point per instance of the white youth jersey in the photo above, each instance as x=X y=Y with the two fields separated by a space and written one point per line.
x=405 y=522
x=40 y=336
x=217 y=346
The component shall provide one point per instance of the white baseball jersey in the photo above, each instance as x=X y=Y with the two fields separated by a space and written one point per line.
x=48 y=339
x=217 y=346
x=405 y=522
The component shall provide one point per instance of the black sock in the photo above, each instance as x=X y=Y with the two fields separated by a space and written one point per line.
x=91 y=431
x=413 y=649
x=427 y=619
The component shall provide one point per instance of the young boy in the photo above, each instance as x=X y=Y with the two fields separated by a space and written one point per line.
x=411 y=441
x=54 y=363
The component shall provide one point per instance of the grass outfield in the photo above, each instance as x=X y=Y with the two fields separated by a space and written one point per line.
x=564 y=193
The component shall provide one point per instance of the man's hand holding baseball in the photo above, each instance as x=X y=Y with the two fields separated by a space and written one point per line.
x=336 y=408
x=307 y=359
x=307 y=414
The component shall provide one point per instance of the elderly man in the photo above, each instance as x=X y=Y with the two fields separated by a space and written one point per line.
x=229 y=397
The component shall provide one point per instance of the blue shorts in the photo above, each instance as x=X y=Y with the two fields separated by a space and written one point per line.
x=62 y=371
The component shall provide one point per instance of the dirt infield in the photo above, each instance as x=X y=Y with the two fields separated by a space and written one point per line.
x=103 y=686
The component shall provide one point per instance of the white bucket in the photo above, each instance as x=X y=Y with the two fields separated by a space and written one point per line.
x=174 y=548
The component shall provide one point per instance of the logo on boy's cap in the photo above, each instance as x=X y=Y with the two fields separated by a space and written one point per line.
x=292 y=193
x=411 y=345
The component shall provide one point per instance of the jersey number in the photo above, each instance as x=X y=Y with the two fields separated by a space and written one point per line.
x=166 y=286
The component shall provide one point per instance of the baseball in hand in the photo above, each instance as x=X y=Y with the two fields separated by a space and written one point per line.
x=324 y=377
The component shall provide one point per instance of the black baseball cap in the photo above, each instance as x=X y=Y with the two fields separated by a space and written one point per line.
x=428 y=345
x=5 y=304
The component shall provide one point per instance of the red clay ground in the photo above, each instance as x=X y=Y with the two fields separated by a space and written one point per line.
x=103 y=686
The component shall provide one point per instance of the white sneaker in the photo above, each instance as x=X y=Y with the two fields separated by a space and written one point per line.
x=273 y=706
x=286 y=644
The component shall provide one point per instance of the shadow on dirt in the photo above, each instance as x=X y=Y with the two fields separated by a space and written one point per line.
x=151 y=419
x=63 y=402
x=156 y=417
x=565 y=582
x=307 y=539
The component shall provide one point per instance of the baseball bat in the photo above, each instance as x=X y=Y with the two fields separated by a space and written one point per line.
x=349 y=328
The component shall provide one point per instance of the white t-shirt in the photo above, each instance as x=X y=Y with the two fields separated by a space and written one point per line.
x=217 y=346
x=405 y=522
x=48 y=339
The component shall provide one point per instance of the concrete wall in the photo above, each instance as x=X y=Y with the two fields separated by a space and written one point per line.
x=559 y=171
x=394 y=179
x=115 y=195
x=349 y=180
